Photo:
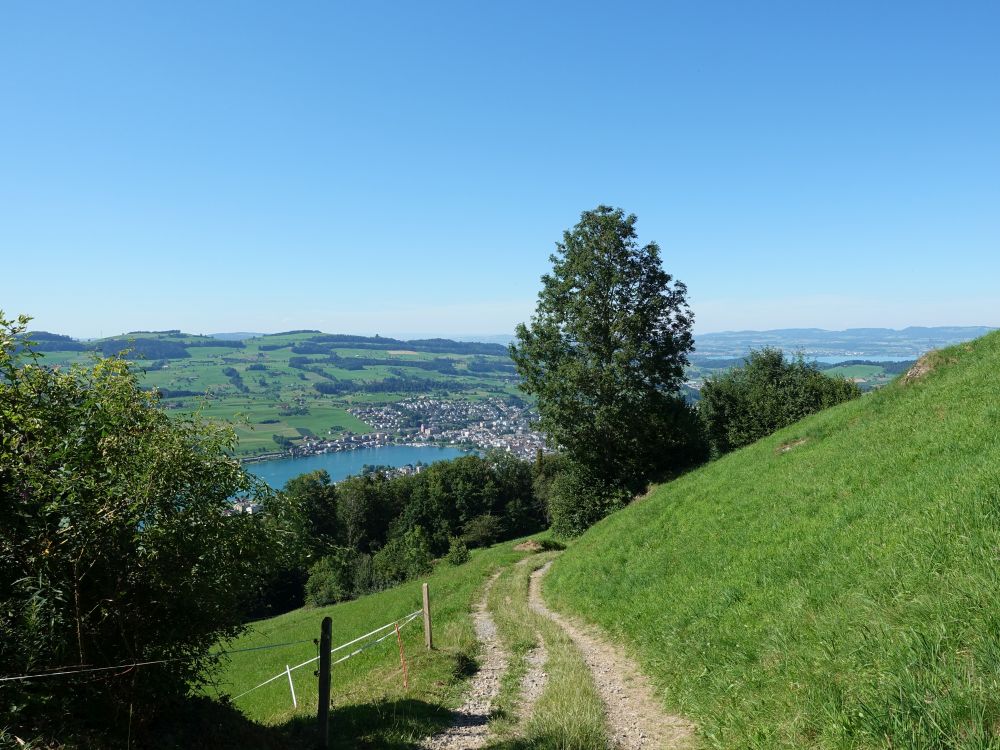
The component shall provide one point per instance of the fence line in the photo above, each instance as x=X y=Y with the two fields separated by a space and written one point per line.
x=133 y=665
x=288 y=670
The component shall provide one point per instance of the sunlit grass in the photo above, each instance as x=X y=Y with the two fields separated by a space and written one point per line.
x=839 y=593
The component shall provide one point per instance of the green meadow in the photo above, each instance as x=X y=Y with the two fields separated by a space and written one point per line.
x=834 y=585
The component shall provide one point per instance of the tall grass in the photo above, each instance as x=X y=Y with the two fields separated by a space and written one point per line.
x=835 y=585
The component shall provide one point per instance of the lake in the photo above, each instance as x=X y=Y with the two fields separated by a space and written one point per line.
x=345 y=463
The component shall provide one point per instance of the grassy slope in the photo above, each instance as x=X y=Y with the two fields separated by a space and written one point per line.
x=371 y=708
x=840 y=594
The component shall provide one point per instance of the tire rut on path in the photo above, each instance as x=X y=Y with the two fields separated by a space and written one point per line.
x=636 y=720
x=470 y=727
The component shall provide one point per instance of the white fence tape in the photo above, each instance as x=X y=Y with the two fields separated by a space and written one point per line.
x=288 y=670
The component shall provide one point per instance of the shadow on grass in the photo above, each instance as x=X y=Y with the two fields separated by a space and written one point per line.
x=204 y=723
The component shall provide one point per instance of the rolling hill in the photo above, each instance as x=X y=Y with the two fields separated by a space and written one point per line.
x=294 y=384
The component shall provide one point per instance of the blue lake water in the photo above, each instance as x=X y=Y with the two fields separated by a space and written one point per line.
x=344 y=464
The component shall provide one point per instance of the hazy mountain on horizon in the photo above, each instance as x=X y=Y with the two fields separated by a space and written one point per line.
x=912 y=341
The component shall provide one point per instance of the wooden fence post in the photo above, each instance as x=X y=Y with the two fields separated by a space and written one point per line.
x=325 y=644
x=428 y=639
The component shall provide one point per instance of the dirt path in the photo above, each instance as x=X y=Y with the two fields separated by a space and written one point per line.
x=636 y=719
x=469 y=729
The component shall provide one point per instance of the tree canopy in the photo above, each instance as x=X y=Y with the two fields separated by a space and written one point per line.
x=116 y=543
x=606 y=350
x=767 y=393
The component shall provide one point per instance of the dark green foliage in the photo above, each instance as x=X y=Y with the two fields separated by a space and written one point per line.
x=144 y=348
x=483 y=530
x=115 y=545
x=314 y=497
x=393 y=525
x=283 y=442
x=331 y=579
x=54 y=342
x=765 y=394
x=605 y=354
x=577 y=499
x=402 y=558
x=458 y=552
x=392 y=384
x=365 y=509
x=329 y=341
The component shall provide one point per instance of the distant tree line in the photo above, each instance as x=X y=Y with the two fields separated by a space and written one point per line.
x=438 y=364
x=368 y=532
x=393 y=384
x=330 y=341
x=54 y=342
x=766 y=393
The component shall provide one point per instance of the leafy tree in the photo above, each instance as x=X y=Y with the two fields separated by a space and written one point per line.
x=605 y=354
x=458 y=552
x=402 y=558
x=331 y=579
x=116 y=545
x=315 y=498
x=767 y=393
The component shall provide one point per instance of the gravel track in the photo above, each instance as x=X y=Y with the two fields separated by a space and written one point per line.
x=470 y=726
x=636 y=720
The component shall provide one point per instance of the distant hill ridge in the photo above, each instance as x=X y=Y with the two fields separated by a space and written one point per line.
x=869 y=343
x=173 y=344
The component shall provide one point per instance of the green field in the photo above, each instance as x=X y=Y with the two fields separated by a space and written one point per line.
x=278 y=398
x=834 y=585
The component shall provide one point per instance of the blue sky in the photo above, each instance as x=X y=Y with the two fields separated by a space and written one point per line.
x=405 y=168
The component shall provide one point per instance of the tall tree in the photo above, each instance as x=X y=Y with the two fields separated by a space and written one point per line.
x=606 y=350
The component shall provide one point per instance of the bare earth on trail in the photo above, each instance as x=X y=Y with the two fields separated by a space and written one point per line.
x=636 y=720
x=470 y=727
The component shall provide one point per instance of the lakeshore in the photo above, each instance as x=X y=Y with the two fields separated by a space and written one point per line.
x=342 y=464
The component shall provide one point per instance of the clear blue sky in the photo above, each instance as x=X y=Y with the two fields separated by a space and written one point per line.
x=405 y=167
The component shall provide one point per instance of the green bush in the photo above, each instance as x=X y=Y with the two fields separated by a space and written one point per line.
x=402 y=558
x=458 y=552
x=483 y=530
x=116 y=543
x=750 y=402
x=332 y=578
x=577 y=500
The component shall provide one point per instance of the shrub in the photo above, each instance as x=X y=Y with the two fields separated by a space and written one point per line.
x=578 y=499
x=116 y=543
x=402 y=558
x=483 y=530
x=458 y=552
x=767 y=393
x=331 y=579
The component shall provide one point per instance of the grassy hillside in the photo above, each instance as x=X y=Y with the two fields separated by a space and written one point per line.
x=835 y=585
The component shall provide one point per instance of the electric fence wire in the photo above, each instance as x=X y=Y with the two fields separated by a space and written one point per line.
x=402 y=622
x=133 y=665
